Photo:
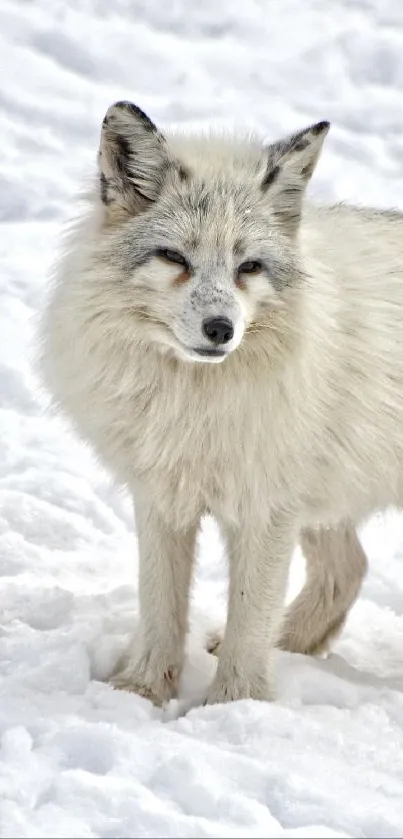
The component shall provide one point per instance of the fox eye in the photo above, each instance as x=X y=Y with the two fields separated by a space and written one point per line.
x=253 y=266
x=172 y=256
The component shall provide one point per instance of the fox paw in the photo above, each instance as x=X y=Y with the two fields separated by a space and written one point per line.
x=230 y=686
x=149 y=676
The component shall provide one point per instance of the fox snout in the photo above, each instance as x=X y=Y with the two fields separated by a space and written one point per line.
x=209 y=335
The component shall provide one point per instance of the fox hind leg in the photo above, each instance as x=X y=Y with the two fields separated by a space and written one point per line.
x=336 y=565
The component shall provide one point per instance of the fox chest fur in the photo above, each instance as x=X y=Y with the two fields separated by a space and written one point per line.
x=187 y=433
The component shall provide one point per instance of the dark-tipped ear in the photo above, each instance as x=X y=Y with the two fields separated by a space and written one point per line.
x=132 y=159
x=290 y=164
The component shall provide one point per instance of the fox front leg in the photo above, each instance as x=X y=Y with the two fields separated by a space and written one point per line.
x=259 y=565
x=153 y=665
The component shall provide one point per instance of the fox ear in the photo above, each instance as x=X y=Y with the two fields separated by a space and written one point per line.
x=132 y=159
x=290 y=164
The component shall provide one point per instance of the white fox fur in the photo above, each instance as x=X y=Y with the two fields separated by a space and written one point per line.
x=297 y=431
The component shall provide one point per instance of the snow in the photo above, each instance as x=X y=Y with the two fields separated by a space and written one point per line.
x=78 y=759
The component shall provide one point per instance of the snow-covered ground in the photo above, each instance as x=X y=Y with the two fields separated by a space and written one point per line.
x=77 y=758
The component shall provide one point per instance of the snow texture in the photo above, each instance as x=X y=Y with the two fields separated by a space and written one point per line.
x=77 y=758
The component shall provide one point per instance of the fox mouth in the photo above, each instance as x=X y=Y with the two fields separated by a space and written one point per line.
x=207 y=352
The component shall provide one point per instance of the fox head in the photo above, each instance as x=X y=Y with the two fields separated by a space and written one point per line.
x=204 y=229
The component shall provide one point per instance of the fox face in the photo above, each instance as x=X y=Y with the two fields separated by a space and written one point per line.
x=204 y=229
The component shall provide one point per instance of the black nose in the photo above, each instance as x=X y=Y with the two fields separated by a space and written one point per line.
x=218 y=330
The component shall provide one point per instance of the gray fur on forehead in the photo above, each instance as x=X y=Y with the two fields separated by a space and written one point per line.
x=221 y=195
x=219 y=216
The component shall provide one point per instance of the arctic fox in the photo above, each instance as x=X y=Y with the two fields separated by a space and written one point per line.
x=228 y=348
